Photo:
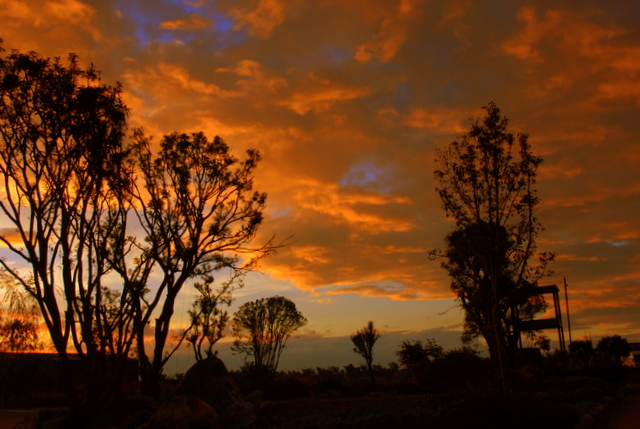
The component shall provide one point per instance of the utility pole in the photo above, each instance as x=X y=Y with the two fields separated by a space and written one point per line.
x=566 y=298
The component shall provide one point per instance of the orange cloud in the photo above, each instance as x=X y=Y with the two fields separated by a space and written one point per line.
x=351 y=206
x=323 y=99
x=179 y=79
x=455 y=14
x=396 y=294
x=573 y=258
x=543 y=88
x=152 y=91
x=72 y=11
x=450 y=122
x=559 y=28
x=620 y=90
x=51 y=27
x=556 y=171
x=253 y=78
x=15 y=9
x=605 y=298
x=584 y=200
x=586 y=49
x=261 y=19
x=311 y=254
x=193 y=22
x=356 y=262
x=394 y=249
x=316 y=94
x=393 y=34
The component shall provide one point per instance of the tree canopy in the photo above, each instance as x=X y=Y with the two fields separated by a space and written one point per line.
x=614 y=348
x=199 y=213
x=207 y=319
x=61 y=163
x=417 y=356
x=363 y=341
x=491 y=255
x=262 y=328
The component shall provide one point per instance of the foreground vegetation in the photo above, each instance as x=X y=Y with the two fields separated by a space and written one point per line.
x=457 y=389
x=460 y=390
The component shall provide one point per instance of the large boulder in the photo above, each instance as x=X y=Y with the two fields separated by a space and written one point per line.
x=209 y=380
x=184 y=412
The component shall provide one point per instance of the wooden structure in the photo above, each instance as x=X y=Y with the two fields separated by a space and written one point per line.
x=544 y=324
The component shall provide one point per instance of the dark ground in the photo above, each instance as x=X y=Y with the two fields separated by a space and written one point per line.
x=627 y=414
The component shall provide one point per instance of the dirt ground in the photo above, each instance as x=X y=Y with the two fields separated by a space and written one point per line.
x=627 y=416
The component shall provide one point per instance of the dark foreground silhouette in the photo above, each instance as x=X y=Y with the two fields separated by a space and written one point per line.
x=210 y=396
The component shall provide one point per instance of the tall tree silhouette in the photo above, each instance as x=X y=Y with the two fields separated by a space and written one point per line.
x=491 y=256
x=199 y=214
x=363 y=341
x=61 y=132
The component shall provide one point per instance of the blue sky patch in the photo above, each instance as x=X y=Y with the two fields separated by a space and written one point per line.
x=366 y=175
x=147 y=20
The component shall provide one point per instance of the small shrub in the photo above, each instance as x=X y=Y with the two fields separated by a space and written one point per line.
x=613 y=349
x=461 y=369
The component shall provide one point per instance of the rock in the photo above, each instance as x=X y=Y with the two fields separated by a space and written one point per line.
x=184 y=412
x=209 y=380
x=587 y=421
x=138 y=408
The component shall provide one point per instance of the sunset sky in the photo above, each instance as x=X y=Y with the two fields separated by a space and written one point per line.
x=347 y=100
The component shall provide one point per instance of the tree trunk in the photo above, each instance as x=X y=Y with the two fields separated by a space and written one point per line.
x=371 y=373
x=149 y=378
x=150 y=385
x=496 y=341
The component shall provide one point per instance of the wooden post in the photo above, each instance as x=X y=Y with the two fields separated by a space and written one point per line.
x=566 y=299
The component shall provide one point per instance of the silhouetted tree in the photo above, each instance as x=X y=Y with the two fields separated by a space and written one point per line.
x=208 y=320
x=417 y=356
x=61 y=132
x=363 y=341
x=544 y=342
x=469 y=263
x=489 y=255
x=613 y=349
x=262 y=328
x=582 y=351
x=199 y=213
